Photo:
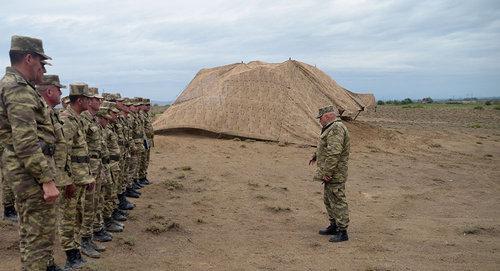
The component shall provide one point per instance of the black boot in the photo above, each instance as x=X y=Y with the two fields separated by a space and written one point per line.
x=54 y=268
x=131 y=193
x=103 y=236
x=330 y=230
x=124 y=203
x=341 y=236
x=88 y=249
x=10 y=214
x=118 y=216
x=137 y=184
x=144 y=181
x=122 y=212
x=73 y=259
x=111 y=226
x=97 y=247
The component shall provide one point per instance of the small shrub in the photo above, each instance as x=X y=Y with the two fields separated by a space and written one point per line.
x=172 y=185
x=488 y=103
x=478 y=107
x=407 y=101
x=380 y=102
x=497 y=107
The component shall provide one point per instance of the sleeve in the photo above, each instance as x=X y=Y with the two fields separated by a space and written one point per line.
x=332 y=152
x=21 y=106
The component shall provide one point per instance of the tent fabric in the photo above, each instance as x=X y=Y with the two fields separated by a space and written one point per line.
x=268 y=101
x=367 y=99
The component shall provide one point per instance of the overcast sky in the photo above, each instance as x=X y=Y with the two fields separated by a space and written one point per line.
x=395 y=49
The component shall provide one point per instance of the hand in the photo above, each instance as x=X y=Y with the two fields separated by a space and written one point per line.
x=69 y=191
x=50 y=192
x=326 y=179
x=90 y=186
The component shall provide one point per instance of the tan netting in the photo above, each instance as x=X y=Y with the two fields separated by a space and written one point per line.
x=269 y=101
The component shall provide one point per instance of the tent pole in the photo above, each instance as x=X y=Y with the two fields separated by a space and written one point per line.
x=357 y=115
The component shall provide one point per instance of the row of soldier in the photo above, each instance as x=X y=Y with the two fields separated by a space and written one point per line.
x=67 y=170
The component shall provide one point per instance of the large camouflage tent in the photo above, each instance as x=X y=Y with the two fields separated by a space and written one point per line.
x=268 y=101
x=367 y=99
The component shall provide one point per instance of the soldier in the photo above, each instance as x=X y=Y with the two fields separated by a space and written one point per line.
x=72 y=209
x=110 y=215
x=332 y=155
x=27 y=134
x=121 y=128
x=91 y=209
x=148 y=141
x=136 y=135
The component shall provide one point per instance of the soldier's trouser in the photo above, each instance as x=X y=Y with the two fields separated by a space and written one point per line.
x=98 y=205
x=80 y=212
x=37 y=229
x=37 y=219
x=133 y=167
x=7 y=193
x=89 y=209
x=111 y=191
x=336 y=204
x=143 y=164
x=68 y=224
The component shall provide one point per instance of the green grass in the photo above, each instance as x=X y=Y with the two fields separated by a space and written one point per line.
x=444 y=106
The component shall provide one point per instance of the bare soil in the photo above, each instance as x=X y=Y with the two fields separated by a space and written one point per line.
x=423 y=192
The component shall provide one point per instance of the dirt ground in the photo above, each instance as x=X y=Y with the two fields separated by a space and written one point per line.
x=423 y=193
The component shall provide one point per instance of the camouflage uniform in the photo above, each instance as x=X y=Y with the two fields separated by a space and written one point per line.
x=148 y=140
x=7 y=194
x=72 y=209
x=27 y=133
x=94 y=142
x=332 y=155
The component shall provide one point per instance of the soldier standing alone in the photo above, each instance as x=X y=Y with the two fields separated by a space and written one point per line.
x=332 y=155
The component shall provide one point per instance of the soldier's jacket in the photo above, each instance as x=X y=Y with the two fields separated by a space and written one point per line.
x=25 y=129
x=137 y=133
x=332 y=153
x=113 y=148
x=93 y=135
x=148 y=125
x=123 y=141
x=61 y=151
x=78 y=154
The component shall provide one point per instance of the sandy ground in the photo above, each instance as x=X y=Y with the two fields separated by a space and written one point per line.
x=423 y=192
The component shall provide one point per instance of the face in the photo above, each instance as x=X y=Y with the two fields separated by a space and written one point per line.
x=36 y=68
x=326 y=118
x=113 y=116
x=84 y=103
x=54 y=95
x=94 y=104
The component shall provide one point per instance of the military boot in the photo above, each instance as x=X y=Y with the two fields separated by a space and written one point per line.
x=88 y=249
x=144 y=181
x=137 y=184
x=10 y=214
x=97 y=247
x=54 y=268
x=131 y=193
x=73 y=259
x=118 y=223
x=118 y=216
x=330 y=230
x=341 y=236
x=122 y=212
x=103 y=236
x=124 y=203
x=111 y=226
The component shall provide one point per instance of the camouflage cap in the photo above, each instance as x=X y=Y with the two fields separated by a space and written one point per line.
x=95 y=92
x=51 y=79
x=79 y=89
x=44 y=62
x=28 y=44
x=103 y=113
x=110 y=106
x=325 y=110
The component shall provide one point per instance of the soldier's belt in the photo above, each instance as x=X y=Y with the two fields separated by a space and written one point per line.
x=114 y=157
x=80 y=159
x=105 y=160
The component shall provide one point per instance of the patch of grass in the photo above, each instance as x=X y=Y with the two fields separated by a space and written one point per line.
x=497 y=107
x=253 y=185
x=475 y=125
x=172 y=185
x=479 y=142
x=157 y=217
x=180 y=176
x=488 y=155
x=184 y=168
x=278 y=209
x=200 y=221
x=413 y=106
x=479 y=107
x=435 y=145
x=261 y=197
